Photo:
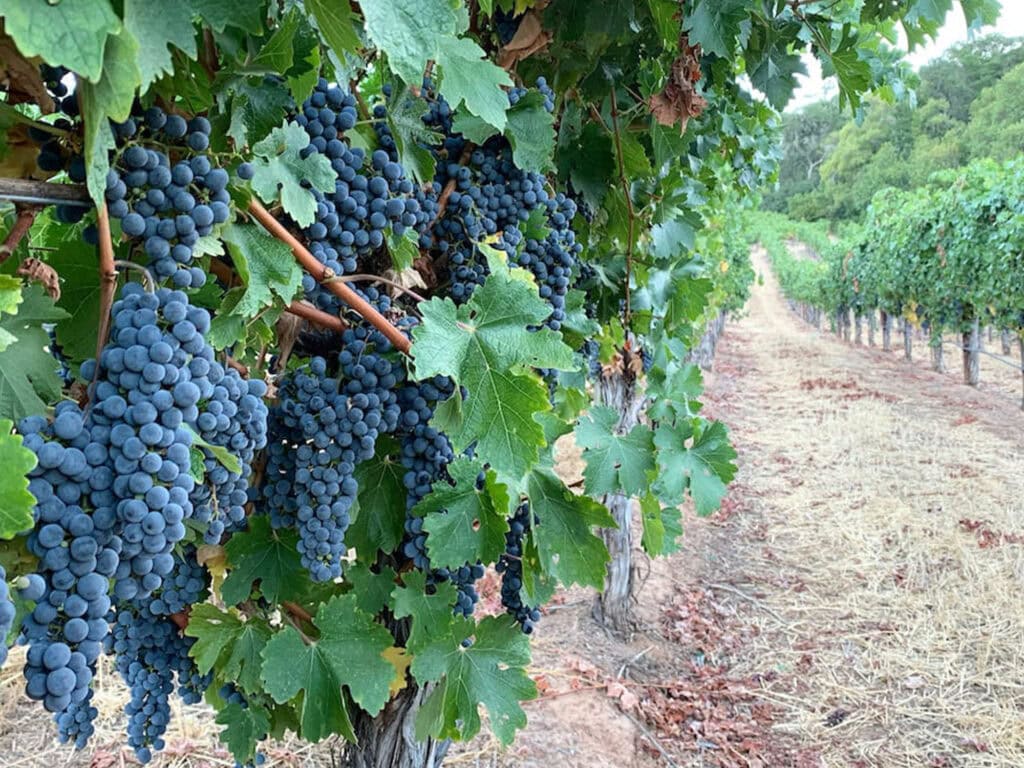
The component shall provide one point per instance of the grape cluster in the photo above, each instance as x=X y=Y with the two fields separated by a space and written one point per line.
x=78 y=553
x=150 y=654
x=510 y=566
x=6 y=614
x=186 y=585
x=234 y=416
x=167 y=206
x=322 y=427
x=55 y=153
x=352 y=221
x=154 y=371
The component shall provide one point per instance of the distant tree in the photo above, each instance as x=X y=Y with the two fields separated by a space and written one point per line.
x=996 y=129
x=965 y=69
x=808 y=137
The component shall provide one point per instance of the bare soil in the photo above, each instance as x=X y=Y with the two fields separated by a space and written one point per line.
x=856 y=603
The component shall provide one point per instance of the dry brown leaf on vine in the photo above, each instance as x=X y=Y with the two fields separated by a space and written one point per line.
x=679 y=100
x=20 y=78
x=530 y=38
x=43 y=274
x=288 y=328
x=424 y=267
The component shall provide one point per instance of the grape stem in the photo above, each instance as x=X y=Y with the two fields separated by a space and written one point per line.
x=108 y=278
x=316 y=316
x=147 y=276
x=375 y=279
x=22 y=224
x=321 y=273
x=627 y=310
x=446 y=193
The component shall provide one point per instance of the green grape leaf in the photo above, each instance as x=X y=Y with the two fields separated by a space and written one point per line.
x=413 y=32
x=10 y=298
x=228 y=643
x=379 y=521
x=704 y=466
x=266 y=556
x=672 y=238
x=266 y=266
x=411 y=134
x=489 y=671
x=278 y=53
x=244 y=728
x=662 y=526
x=716 y=24
x=157 y=24
x=484 y=346
x=75 y=261
x=223 y=455
x=465 y=524
x=28 y=373
x=372 y=590
x=16 y=503
x=279 y=171
x=257 y=108
x=775 y=73
x=531 y=132
x=472 y=127
x=587 y=158
x=404 y=250
x=71 y=33
x=566 y=544
x=677 y=395
x=221 y=14
x=431 y=612
x=615 y=462
x=349 y=652
x=469 y=78
x=334 y=20
x=111 y=97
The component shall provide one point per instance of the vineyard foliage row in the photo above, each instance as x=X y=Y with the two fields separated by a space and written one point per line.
x=296 y=299
x=944 y=255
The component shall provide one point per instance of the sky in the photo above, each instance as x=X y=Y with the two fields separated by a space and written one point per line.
x=1011 y=24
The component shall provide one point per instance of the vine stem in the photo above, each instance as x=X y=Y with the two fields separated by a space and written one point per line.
x=108 y=277
x=321 y=274
x=627 y=311
x=22 y=224
x=319 y=317
x=446 y=193
x=376 y=279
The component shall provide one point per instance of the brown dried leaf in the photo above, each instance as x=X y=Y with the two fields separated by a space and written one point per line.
x=528 y=39
x=680 y=100
x=43 y=274
x=20 y=77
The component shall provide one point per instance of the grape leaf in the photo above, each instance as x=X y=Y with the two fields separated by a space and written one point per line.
x=245 y=728
x=372 y=590
x=564 y=535
x=676 y=395
x=349 y=652
x=413 y=32
x=228 y=644
x=28 y=373
x=278 y=52
x=531 y=132
x=10 y=298
x=257 y=107
x=71 y=33
x=411 y=134
x=265 y=265
x=279 y=172
x=16 y=503
x=614 y=462
x=587 y=159
x=263 y=555
x=465 y=524
x=715 y=24
x=111 y=97
x=157 y=24
x=704 y=467
x=469 y=78
x=483 y=347
x=662 y=526
x=75 y=261
x=379 y=521
x=431 y=612
x=221 y=14
x=489 y=671
x=334 y=20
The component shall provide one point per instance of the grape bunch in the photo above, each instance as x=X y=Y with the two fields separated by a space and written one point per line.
x=7 y=612
x=233 y=417
x=322 y=427
x=150 y=655
x=154 y=373
x=510 y=566
x=165 y=205
x=186 y=585
x=78 y=553
x=352 y=221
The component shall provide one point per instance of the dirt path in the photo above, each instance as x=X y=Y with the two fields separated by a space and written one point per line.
x=856 y=604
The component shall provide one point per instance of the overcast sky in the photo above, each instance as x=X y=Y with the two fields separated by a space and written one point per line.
x=1011 y=24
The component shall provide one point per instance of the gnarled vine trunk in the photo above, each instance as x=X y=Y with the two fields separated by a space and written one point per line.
x=389 y=739
x=938 y=355
x=1004 y=338
x=972 y=354
x=908 y=340
x=613 y=607
x=886 y=331
x=858 y=328
x=872 y=327
x=1020 y=347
